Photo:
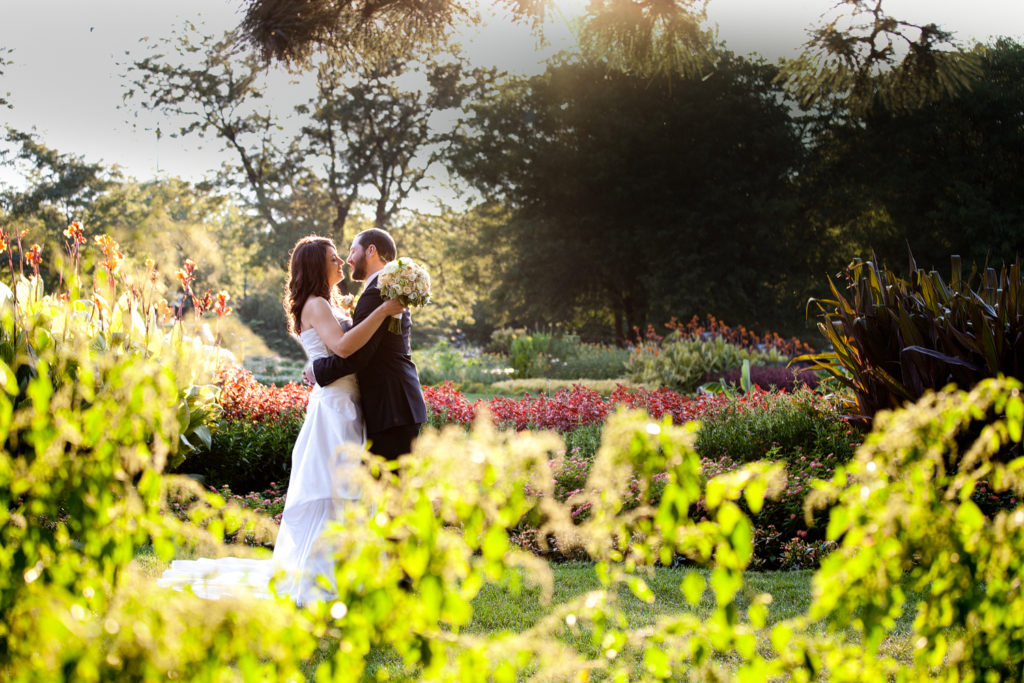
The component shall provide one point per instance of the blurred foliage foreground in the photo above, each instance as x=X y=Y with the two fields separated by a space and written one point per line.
x=87 y=429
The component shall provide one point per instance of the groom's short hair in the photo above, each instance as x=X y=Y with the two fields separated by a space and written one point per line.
x=382 y=240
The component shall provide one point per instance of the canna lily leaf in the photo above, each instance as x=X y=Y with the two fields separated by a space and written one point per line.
x=945 y=358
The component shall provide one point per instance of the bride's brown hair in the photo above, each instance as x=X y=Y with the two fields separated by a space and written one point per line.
x=307 y=276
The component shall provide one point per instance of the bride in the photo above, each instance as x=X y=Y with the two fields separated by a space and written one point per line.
x=319 y=484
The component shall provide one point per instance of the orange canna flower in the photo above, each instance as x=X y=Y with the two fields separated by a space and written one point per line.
x=221 y=307
x=164 y=311
x=111 y=250
x=203 y=303
x=186 y=275
x=74 y=233
x=35 y=257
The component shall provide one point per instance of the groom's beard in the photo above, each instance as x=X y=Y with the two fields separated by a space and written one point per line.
x=359 y=270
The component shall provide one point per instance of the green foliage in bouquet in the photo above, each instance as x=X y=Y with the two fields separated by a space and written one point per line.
x=682 y=364
x=895 y=338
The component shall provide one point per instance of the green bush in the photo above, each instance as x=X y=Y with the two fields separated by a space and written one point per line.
x=263 y=313
x=906 y=522
x=584 y=441
x=588 y=361
x=801 y=423
x=274 y=370
x=442 y=362
x=247 y=455
x=558 y=355
x=682 y=364
x=895 y=338
x=529 y=355
x=82 y=443
x=501 y=339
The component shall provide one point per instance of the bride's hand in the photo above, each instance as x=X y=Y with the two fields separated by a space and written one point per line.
x=393 y=307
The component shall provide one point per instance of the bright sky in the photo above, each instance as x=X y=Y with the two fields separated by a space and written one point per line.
x=66 y=79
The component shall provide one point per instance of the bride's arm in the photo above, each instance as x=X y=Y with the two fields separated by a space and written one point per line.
x=318 y=314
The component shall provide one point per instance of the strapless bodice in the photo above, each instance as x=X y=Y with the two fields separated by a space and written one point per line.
x=313 y=344
x=315 y=348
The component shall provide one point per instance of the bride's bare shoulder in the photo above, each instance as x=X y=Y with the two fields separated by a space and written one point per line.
x=315 y=307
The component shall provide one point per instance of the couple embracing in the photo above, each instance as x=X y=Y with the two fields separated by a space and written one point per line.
x=366 y=390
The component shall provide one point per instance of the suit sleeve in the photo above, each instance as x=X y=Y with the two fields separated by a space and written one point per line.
x=330 y=368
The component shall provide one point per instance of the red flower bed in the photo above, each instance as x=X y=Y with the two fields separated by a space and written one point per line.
x=243 y=398
x=568 y=409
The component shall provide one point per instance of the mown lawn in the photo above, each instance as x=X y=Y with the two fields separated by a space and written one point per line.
x=497 y=609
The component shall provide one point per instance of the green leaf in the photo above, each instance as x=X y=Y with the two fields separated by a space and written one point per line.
x=1015 y=416
x=640 y=589
x=754 y=494
x=725 y=584
x=495 y=543
x=656 y=662
x=969 y=517
x=693 y=586
x=8 y=381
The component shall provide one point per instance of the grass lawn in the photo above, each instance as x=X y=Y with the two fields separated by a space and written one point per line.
x=497 y=609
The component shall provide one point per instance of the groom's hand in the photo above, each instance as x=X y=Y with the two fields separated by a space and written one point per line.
x=307 y=374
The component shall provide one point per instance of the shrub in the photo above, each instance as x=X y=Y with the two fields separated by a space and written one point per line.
x=681 y=363
x=528 y=355
x=80 y=495
x=775 y=377
x=465 y=367
x=263 y=313
x=247 y=455
x=789 y=425
x=501 y=339
x=273 y=369
x=588 y=361
x=244 y=398
x=894 y=338
x=558 y=355
x=905 y=521
x=584 y=440
x=252 y=444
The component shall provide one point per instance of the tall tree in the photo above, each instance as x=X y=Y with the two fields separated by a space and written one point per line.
x=858 y=52
x=641 y=197
x=4 y=102
x=365 y=135
x=944 y=178
x=59 y=187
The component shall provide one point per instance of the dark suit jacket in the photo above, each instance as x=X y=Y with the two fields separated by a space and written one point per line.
x=388 y=381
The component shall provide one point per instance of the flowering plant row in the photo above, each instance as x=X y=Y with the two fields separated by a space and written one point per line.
x=568 y=409
x=244 y=398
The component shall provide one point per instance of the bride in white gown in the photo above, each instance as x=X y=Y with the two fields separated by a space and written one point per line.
x=322 y=459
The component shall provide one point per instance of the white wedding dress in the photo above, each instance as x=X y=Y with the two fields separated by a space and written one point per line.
x=320 y=485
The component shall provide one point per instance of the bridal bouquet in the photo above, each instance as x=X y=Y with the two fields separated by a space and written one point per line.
x=407 y=281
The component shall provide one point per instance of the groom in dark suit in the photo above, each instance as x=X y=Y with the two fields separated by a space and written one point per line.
x=388 y=382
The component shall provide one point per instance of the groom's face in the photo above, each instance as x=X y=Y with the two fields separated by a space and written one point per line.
x=357 y=261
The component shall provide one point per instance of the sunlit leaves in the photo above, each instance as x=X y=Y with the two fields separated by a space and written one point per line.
x=863 y=56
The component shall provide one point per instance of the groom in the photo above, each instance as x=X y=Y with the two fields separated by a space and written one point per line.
x=390 y=387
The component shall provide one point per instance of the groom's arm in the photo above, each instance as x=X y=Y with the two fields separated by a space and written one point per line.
x=330 y=368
